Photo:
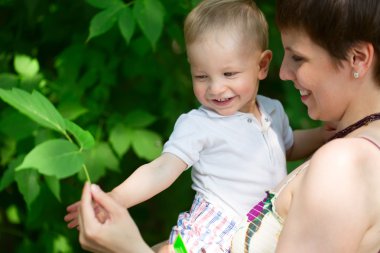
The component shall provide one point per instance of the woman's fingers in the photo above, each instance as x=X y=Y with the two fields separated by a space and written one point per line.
x=86 y=209
x=106 y=202
x=118 y=234
x=88 y=222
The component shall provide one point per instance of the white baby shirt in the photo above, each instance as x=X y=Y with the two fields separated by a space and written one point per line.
x=234 y=159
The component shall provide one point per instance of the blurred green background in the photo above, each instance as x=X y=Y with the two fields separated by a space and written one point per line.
x=118 y=69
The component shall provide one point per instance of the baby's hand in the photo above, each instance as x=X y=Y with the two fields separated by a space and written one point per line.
x=72 y=215
x=101 y=213
x=73 y=210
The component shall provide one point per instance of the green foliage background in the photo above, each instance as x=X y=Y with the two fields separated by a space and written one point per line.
x=117 y=69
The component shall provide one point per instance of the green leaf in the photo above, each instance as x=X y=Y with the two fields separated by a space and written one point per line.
x=150 y=17
x=26 y=66
x=126 y=23
x=35 y=106
x=139 y=119
x=53 y=184
x=72 y=110
x=32 y=83
x=98 y=159
x=69 y=64
x=61 y=244
x=146 y=144
x=28 y=185
x=13 y=215
x=9 y=174
x=108 y=158
x=59 y=158
x=8 y=148
x=16 y=125
x=7 y=179
x=95 y=167
x=103 y=21
x=120 y=139
x=103 y=4
x=84 y=138
x=8 y=80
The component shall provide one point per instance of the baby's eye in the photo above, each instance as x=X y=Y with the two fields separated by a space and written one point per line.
x=230 y=74
x=200 y=77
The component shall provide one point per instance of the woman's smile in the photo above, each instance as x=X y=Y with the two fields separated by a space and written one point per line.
x=304 y=95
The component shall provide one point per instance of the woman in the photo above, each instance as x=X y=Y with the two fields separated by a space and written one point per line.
x=330 y=203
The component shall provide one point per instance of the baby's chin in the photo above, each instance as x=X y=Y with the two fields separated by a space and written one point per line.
x=224 y=112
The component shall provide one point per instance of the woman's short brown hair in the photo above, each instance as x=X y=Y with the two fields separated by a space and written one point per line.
x=335 y=25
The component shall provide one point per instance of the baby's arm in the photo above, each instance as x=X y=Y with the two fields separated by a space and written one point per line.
x=309 y=140
x=149 y=180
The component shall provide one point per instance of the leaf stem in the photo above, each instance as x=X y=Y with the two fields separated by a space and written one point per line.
x=84 y=165
x=68 y=136
x=86 y=173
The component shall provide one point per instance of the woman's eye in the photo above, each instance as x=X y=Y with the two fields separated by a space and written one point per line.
x=297 y=58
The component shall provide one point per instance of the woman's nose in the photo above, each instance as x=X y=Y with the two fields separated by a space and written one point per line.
x=285 y=71
x=288 y=69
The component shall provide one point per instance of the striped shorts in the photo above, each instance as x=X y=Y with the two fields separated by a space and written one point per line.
x=205 y=228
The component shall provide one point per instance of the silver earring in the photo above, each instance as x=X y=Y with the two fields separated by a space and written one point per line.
x=356 y=75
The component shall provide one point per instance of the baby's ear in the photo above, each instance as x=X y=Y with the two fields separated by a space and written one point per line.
x=265 y=59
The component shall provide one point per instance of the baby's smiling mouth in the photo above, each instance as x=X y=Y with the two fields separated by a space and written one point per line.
x=222 y=101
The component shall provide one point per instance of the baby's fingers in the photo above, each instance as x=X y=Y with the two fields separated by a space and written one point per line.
x=72 y=219
x=73 y=224
x=71 y=216
x=73 y=207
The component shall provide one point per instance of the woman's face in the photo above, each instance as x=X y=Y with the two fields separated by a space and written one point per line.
x=321 y=83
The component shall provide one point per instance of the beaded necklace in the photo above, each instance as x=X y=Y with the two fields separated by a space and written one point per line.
x=363 y=122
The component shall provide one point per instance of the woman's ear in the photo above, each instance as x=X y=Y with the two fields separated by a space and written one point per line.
x=361 y=58
x=265 y=59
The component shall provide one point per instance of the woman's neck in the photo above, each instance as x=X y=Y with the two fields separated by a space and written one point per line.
x=364 y=121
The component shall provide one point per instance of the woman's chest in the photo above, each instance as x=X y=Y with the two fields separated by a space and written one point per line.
x=286 y=190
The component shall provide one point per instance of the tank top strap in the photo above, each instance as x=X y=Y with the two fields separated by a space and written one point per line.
x=306 y=164
x=292 y=176
x=371 y=141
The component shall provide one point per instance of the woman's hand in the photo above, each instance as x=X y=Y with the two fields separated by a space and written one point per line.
x=118 y=233
x=73 y=213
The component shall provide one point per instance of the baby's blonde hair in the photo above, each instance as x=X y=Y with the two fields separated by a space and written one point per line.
x=238 y=17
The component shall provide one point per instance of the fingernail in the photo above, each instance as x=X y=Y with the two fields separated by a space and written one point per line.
x=95 y=187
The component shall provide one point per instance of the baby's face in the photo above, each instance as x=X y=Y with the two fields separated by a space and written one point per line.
x=225 y=74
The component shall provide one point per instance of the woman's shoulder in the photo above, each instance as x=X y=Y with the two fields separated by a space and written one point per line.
x=349 y=151
x=342 y=174
x=347 y=163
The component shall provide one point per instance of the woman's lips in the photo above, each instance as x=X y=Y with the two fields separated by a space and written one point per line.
x=304 y=94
